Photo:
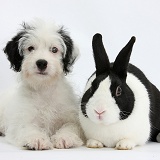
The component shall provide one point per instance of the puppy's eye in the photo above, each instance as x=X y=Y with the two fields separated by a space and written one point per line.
x=54 y=50
x=118 y=91
x=30 y=49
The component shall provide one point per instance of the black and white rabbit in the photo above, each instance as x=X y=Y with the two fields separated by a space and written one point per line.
x=120 y=107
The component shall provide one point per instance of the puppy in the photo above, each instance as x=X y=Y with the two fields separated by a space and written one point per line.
x=40 y=112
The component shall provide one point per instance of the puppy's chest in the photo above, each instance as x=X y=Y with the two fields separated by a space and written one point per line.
x=49 y=110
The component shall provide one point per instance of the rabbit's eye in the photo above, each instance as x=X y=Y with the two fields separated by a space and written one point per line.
x=118 y=91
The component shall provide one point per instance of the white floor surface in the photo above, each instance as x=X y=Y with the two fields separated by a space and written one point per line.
x=150 y=151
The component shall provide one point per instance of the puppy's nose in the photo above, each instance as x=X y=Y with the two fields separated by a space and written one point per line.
x=41 y=64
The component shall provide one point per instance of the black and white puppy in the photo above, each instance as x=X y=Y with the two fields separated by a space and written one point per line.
x=41 y=111
x=120 y=107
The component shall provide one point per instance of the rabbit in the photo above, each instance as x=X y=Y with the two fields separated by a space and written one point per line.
x=120 y=107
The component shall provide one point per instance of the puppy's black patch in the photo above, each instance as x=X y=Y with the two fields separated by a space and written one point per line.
x=68 y=59
x=12 y=52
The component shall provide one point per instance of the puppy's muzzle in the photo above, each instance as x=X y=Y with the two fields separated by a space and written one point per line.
x=41 y=64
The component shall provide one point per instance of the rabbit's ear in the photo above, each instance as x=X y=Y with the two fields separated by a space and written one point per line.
x=121 y=63
x=100 y=56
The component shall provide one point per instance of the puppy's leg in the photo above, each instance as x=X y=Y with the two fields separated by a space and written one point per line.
x=30 y=137
x=67 y=136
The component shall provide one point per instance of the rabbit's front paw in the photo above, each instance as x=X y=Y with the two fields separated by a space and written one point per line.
x=125 y=144
x=91 y=143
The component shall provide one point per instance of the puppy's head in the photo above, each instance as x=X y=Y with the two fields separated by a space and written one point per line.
x=41 y=50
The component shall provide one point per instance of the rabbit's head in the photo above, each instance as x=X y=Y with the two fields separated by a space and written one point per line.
x=107 y=98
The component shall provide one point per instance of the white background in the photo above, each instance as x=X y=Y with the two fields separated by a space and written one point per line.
x=116 y=20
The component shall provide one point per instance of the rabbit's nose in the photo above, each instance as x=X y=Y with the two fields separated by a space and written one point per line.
x=99 y=112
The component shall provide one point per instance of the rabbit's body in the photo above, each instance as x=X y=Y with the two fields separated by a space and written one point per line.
x=119 y=109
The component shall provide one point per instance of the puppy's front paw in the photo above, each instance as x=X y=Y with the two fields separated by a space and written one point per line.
x=92 y=143
x=38 y=143
x=66 y=140
x=125 y=144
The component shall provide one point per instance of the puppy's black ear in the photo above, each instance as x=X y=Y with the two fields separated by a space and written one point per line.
x=71 y=51
x=12 y=52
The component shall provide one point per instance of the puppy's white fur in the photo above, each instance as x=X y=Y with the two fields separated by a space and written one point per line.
x=40 y=112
